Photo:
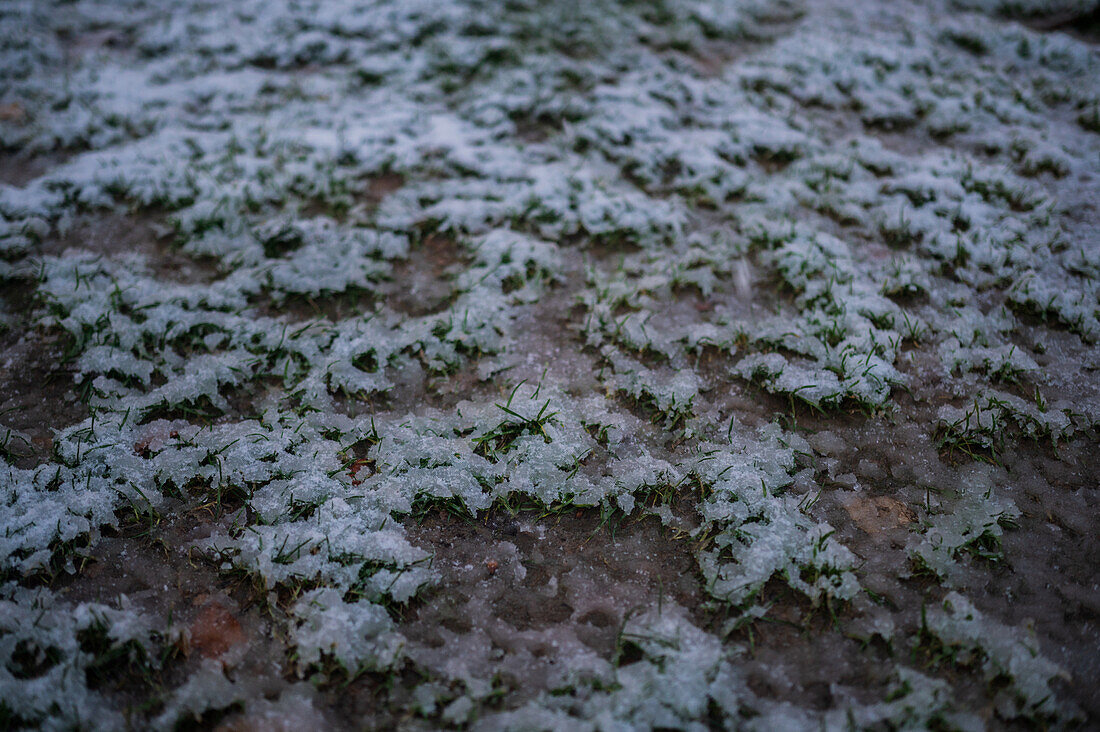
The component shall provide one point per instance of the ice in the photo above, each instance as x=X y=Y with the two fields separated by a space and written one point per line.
x=1002 y=652
x=736 y=223
x=360 y=636
x=973 y=524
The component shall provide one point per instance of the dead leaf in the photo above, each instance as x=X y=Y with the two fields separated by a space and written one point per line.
x=12 y=112
x=215 y=631
x=878 y=514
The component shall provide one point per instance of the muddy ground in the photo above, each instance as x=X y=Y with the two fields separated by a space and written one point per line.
x=522 y=589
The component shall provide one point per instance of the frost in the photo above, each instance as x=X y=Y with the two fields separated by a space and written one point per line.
x=207 y=689
x=1002 y=652
x=983 y=425
x=735 y=195
x=972 y=524
x=761 y=530
x=48 y=647
x=355 y=636
x=684 y=671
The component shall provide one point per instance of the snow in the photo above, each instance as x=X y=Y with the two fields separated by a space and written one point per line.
x=807 y=211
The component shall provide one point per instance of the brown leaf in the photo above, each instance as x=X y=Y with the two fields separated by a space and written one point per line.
x=12 y=112
x=878 y=514
x=215 y=631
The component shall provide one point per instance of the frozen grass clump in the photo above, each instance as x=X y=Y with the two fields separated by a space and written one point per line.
x=850 y=331
x=355 y=636
x=316 y=524
x=329 y=514
x=758 y=528
x=532 y=444
x=47 y=511
x=330 y=262
x=508 y=269
x=971 y=524
x=52 y=651
x=1072 y=303
x=961 y=635
x=981 y=343
x=916 y=701
x=669 y=393
x=19 y=234
x=780 y=376
x=981 y=428
x=12 y=442
x=52 y=508
x=207 y=341
x=625 y=308
x=682 y=673
x=670 y=674
x=208 y=689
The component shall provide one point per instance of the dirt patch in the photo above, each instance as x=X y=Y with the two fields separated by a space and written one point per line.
x=37 y=392
x=420 y=285
x=880 y=475
x=535 y=130
x=528 y=599
x=78 y=44
x=156 y=571
x=1081 y=24
x=546 y=341
x=302 y=309
x=878 y=514
x=1050 y=582
x=381 y=186
x=711 y=59
x=18 y=169
x=116 y=234
x=216 y=630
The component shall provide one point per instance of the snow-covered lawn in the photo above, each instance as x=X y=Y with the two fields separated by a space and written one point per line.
x=549 y=365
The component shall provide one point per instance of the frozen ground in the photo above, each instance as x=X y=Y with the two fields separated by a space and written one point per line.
x=518 y=364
